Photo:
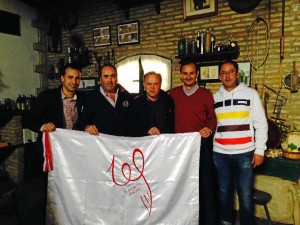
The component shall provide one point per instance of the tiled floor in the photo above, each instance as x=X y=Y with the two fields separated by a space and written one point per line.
x=12 y=220
x=8 y=218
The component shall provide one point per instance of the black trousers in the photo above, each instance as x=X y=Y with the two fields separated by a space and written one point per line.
x=32 y=195
x=208 y=184
x=33 y=161
x=30 y=199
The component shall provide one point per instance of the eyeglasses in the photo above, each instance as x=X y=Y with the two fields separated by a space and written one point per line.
x=230 y=72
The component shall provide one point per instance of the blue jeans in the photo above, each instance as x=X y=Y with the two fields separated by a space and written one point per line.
x=235 y=171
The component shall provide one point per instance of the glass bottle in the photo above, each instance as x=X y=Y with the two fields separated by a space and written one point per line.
x=23 y=102
x=207 y=41
x=181 y=45
x=212 y=42
x=233 y=44
x=229 y=47
x=187 y=47
x=18 y=102
x=198 y=41
x=202 y=34
x=223 y=46
x=193 y=46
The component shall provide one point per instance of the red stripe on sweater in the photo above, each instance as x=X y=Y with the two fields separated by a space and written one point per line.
x=233 y=141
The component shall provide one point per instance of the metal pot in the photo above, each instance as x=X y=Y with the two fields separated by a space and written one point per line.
x=243 y=6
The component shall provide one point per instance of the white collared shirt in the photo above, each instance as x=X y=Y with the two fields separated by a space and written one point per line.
x=113 y=103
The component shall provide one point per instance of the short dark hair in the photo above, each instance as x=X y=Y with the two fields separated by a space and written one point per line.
x=186 y=62
x=74 y=66
x=107 y=64
x=234 y=63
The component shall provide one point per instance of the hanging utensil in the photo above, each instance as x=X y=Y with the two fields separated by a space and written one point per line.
x=282 y=41
x=282 y=32
x=258 y=44
x=292 y=80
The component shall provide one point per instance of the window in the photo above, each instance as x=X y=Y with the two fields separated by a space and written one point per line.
x=128 y=71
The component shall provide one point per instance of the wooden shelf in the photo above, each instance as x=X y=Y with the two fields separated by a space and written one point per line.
x=211 y=56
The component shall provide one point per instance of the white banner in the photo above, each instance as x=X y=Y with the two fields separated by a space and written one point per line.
x=120 y=180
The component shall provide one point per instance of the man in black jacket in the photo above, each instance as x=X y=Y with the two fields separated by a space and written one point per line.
x=55 y=108
x=152 y=112
x=106 y=108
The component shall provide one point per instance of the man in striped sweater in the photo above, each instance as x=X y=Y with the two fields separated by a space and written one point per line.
x=239 y=143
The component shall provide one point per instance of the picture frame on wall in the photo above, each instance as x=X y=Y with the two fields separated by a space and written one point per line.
x=195 y=9
x=88 y=83
x=128 y=33
x=245 y=73
x=209 y=73
x=102 y=36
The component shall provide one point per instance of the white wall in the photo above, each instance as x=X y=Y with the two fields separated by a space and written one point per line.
x=16 y=54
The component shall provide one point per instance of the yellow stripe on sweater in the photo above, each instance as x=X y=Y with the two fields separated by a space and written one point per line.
x=233 y=115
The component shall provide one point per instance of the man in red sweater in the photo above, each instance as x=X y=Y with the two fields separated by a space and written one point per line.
x=194 y=112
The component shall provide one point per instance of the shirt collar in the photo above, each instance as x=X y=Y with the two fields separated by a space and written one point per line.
x=63 y=96
x=192 y=91
x=104 y=93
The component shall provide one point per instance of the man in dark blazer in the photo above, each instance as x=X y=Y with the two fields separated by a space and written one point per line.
x=55 y=108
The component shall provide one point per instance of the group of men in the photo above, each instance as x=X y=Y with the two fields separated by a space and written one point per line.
x=231 y=124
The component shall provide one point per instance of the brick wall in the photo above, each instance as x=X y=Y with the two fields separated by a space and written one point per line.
x=159 y=35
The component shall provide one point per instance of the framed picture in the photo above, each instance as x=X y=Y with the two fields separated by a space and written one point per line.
x=128 y=33
x=245 y=73
x=101 y=36
x=87 y=83
x=209 y=73
x=195 y=9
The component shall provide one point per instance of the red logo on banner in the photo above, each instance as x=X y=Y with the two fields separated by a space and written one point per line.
x=127 y=175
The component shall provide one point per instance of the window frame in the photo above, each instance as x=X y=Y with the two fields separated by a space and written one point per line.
x=168 y=63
